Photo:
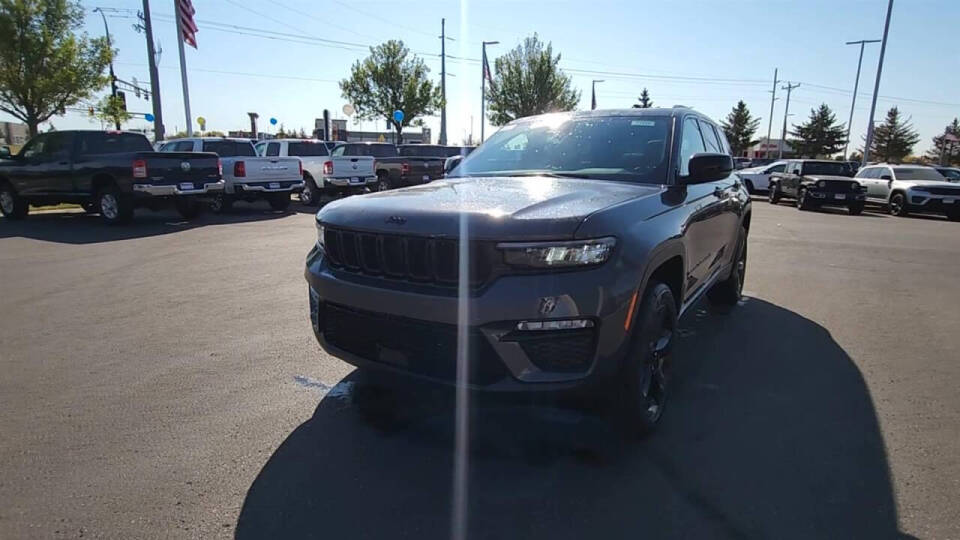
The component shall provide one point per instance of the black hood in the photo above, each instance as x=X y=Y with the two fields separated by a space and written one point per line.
x=498 y=208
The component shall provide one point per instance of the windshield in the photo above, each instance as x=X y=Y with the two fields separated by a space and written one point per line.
x=953 y=175
x=917 y=173
x=307 y=149
x=630 y=148
x=826 y=168
x=228 y=148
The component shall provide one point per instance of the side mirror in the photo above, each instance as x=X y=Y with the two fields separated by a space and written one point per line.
x=4 y=152
x=886 y=177
x=707 y=167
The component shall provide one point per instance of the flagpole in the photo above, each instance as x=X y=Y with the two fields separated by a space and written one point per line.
x=183 y=67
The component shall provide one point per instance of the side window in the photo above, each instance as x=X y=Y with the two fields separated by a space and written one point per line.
x=724 y=144
x=796 y=168
x=184 y=146
x=690 y=143
x=166 y=147
x=885 y=171
x=863 y=173
x=273 y=149
x=777 y=168
x=710 y=138
x=35 y=147
x=338 y=151
x=58 y=145
x=260 y=148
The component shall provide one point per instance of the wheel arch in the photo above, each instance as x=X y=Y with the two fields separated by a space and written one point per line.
x=101 y=181
x=667 y=265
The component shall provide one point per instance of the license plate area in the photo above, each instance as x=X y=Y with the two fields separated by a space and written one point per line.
x=840 y=196
x=274 y=185
x=186 y=186
x=356 y=180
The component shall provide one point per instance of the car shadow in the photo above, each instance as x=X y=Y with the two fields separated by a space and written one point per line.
x=770 y=432
x=73 y=227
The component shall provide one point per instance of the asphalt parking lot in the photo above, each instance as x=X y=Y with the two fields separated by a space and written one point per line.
x=161 y=380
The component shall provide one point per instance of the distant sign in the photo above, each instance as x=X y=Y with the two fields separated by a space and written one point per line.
x=203 y=123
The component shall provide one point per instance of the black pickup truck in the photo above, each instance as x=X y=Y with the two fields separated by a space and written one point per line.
x=397 y=166
x=587 y=235
x=106 y=172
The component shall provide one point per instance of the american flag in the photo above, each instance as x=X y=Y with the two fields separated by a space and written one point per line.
x=188 y=28
x=486 y=71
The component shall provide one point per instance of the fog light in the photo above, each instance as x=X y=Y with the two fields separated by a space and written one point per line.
x=568 y=324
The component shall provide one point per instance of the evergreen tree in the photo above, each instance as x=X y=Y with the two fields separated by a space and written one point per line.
x=820 y=136
x=644 y=100
x=894 y=139
x=739 y=128
x=948 y=151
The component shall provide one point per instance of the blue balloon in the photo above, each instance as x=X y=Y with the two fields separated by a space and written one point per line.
x=398 y=116
x=148 y=117
x=273 y=121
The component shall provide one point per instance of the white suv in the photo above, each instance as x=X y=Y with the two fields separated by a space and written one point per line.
x=910 y=188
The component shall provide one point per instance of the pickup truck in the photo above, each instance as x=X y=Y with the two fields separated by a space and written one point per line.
x=590 y=233
x=393 y=169
x=323 y=174
x=813 y=183
x=758 y=178
x=246 y=176
x=106 y=172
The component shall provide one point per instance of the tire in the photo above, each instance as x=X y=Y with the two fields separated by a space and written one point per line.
x=898 y=205
x=310 y=196
x=642 y=386
x=803 y=202
x=729 y=291
x=12 y=206
x=187 y=207
x=115 y=208
x=221 y=203
x=383 y=183
x=856 y=209
x=773 y=194
x=279 y=201
x=749 y=185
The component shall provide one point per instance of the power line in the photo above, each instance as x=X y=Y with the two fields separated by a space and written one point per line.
x=392 y=23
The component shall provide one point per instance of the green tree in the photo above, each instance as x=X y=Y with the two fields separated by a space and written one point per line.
x=111 y=110
x=947 y=151
x=44 y=66
x=739 y=128
x=388 y=80
x=820 y=136
x=529 y=81
x=214 y=133
x=644 y=100
x=894 y=139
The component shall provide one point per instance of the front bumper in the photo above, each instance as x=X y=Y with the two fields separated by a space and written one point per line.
x=825 y=197
x=410 y=329
x=928 y=202
x=182 y=188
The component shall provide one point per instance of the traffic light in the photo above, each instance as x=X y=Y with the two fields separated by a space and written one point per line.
x=123 y=100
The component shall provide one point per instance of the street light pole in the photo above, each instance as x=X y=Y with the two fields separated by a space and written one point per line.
x=593 y=93
x=773 y=98
x=876 y=85
x=856 y=85
x=443 y=80
x=113 y=78
x=483 y=88
x=158 y=130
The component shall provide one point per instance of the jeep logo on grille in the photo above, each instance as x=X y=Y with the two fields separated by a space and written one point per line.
x=397 y=220
x=547 y=305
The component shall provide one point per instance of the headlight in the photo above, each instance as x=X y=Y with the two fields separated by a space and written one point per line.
x=319 y=235
x=863 y=187
x=821 y=184
x=558 y=254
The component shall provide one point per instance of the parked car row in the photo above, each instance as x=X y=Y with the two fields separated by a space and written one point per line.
x=901 y=189
x=113 y=172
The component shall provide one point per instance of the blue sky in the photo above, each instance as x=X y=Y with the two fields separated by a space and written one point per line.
x=703 y=54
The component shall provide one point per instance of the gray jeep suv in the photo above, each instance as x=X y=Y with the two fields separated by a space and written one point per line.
x=558 y=256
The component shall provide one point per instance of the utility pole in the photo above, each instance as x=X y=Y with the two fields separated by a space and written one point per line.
x=876 y=85
x=593 y=93
x=113 y=78
x=183 y=68
x=158 y=131
x=483 y=88
x=789 y=88
x=856 y=85
x=443 y=81
x=773 y=97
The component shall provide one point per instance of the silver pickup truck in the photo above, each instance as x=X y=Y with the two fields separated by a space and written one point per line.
x=246 y=176
x=323 y=173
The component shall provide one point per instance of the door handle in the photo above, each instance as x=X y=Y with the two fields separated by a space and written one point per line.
x=63 y=163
